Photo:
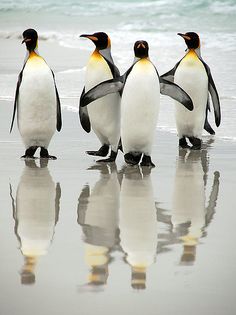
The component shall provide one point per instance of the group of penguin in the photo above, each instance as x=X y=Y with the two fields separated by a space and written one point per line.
x=124 y=108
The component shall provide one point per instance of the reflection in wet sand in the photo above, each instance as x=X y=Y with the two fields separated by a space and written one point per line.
x=138 y=225
x=190 y=216
x=98 y=215
x=36 y=213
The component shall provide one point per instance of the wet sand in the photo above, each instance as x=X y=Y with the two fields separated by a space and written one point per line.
x=79 y=237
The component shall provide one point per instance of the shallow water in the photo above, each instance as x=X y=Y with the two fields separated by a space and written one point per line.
x=78 y=237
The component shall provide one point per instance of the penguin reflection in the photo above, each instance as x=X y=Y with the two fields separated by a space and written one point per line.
x=190 y=215
x=138 y=225
x=36 y=213
x=98 y=215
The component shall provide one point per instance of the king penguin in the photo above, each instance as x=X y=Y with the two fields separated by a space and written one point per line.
x=36 y=101
x=140 y=87
x=104 y=114
x=194 y=76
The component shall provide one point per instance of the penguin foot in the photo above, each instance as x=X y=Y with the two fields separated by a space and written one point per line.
x=132 y=158
x=44 y=154
x=112 y=158
x=103 y=151
x=196 y=142
x=146 y=161
x=183 y=143
x=29 y=153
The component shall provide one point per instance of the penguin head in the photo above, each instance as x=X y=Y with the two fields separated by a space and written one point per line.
x=30 y=38
x=101 y=40
x=141 y=49
x=191 y=39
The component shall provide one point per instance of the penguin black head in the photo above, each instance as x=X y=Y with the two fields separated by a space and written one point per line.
x=191 y=39
x=30 y=38
x=141 y=49
x=101 y=40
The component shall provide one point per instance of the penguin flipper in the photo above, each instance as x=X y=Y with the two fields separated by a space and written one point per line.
x=214 y=95
x=176 y=92
x=83 y=115
x=16 y=97
x=59 y=120
x=102 y=89
x=207 y=126
x=169 y=76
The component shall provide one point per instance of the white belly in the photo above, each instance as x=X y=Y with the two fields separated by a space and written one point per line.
x=37 y=104
x=139 y=108
x=192 y=77
x=104 y=113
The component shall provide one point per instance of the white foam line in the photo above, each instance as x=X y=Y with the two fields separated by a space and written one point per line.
x=72 y=70
x=6 y=98
x=71 y=108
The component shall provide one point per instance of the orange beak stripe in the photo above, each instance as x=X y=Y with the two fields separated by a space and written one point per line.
x=93 y=38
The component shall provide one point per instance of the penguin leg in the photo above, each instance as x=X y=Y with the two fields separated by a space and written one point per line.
x=196 y=142
x=147 y=161
x=183 y=143
x=103 y=151
x=132 y=158
x=29 y=153
x=112 y=157
x=44 y=154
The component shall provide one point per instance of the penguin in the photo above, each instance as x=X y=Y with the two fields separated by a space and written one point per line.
x=36 y=213
x=36 y=101
x=194 y=76
x=98 y=217
x=104 y=114
x=140 y=87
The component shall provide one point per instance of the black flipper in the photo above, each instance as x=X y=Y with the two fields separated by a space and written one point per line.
x=16 y=97
x=102 y=89
x=59 y=119
x=214 y=94
x=207 y=126
x=169 y=76
x=83 y=114
x=176 y=92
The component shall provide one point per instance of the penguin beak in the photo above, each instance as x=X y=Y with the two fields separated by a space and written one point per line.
x=184 y=36
x=25 y=40
x=141 y=45
x=93 y=38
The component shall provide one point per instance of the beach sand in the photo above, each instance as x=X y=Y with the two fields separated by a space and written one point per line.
x=78 y=237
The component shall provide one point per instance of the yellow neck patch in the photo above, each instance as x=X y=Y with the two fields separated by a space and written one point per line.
x=35 y=60
x=96 y=55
